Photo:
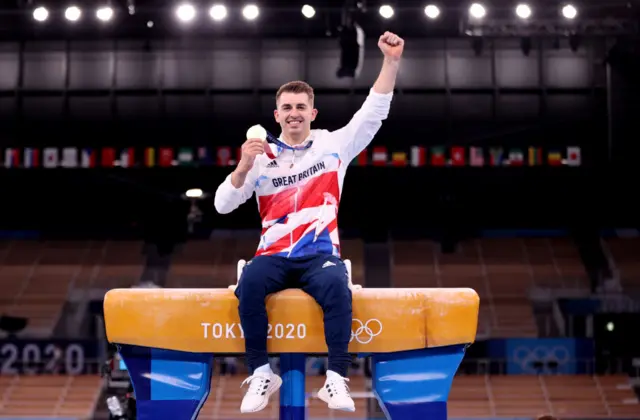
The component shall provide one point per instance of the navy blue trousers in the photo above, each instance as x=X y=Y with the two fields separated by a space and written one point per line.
x=323 y=277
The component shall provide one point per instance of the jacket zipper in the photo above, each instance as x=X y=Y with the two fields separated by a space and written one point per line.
x=295 y=210
x=295 y=204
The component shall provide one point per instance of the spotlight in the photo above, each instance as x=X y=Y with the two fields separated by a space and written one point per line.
x=432 y=11
x=477 y=11
x=250 y=12
x=308 y=11
x=569 y=11
x=72 y=13
x=386 y=11
x=218 y=12
x=104 y=13
x=186 y=12
x=40 y=14
x=193 y=193
x=523 y=11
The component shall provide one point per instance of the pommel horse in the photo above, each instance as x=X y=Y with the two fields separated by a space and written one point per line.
x=168 y=339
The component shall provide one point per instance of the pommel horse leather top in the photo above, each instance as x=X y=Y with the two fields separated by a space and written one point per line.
x=207 y=320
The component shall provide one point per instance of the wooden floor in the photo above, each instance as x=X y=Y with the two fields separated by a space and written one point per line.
x=471 y=396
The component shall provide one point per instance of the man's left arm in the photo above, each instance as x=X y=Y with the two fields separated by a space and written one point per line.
x=359 y=132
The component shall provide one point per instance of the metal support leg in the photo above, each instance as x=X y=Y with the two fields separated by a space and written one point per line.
x=292 y=392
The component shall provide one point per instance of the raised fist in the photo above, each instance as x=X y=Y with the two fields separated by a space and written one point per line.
x=391 y=45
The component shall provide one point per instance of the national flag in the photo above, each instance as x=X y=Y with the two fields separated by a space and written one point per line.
x=399 y=159
x=166 y=157
x=535 y=156
x=476 y=156
x=127 y=157
x=223 y=156
x=108 y=157
x=31 y=157
x=185 y=156
x=363 y=158
x=495 y=156
x=11 y=158
x=360 y=160
x=418 y=156
x=88 y=158
x=150 y=157
x=50 y=157
x=379 y=156
x=204 y=156
x=437 y=156
x=516 y=157
x=457 y=156
x=574 y=156
x=554 y=158
x=69 y=157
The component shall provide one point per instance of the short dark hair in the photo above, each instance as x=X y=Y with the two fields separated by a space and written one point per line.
x=547 y=417
x=296 y=86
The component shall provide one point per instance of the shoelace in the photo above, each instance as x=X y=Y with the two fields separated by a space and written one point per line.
x=333 y=387
x=257 y=384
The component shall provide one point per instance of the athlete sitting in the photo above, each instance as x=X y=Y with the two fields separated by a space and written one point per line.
x=298 y=182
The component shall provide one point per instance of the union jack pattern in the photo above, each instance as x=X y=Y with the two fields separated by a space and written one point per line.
x=298 y=196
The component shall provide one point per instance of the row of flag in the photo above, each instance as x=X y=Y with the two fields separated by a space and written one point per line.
x=130 y=157
x=111 y=157
x=471 y=156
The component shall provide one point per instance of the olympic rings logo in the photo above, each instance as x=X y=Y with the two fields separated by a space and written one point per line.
x=365 y=332
x=525 y=357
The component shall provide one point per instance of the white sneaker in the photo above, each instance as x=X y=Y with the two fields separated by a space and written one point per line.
x=261 y=386
x=335 y=393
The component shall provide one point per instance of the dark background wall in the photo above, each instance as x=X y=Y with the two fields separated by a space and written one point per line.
x=445 y=91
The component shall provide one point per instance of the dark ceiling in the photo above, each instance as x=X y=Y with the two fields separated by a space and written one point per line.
x=277 y=18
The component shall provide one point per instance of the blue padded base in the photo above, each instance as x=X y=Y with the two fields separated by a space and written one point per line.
x=408 y=385
x=415 y=384
x=168 y=384
x=416 y=411
x=293 y=413
x=157 y=409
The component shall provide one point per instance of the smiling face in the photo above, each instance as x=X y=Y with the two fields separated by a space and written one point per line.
x=294 y=111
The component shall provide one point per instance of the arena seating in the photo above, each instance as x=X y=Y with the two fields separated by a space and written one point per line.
x=213 y=263
x=210 y=263
x=49 y=396
x=502 y=271
x=36 y=277
x=120 y=264
x=624 y=252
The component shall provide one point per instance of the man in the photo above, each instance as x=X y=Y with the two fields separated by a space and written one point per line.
x=298 y=183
